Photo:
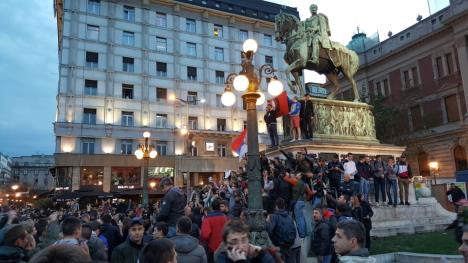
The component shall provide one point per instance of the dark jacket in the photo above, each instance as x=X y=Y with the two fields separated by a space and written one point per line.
x=262 y=257
x=456 y=193
x=113 y=236
x=307 y=109
x=12 y=254
x=321 y=242
x=364 y=170
x=282 y=189
x=97 y=249
x=367 y=213
x=172 y=206
x=279 y=219
x=349 y=188
x=270 y=117
x=188 y=250
x=334 y=176
x=127 y=252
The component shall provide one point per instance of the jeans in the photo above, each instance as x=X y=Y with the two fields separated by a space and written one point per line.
x=403 y=184
x=392 y=187
x=316 y=201
x=300 y=219
x=364 y=188
x=325 y=259
x=379 y=186
x=273 y=132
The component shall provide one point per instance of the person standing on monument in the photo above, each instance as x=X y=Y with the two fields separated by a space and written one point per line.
x=317 y=31
x=404 y=175
x=349 y=166
x=378 y=168
x=270 y=121
x=307 y=117
x=294 y=116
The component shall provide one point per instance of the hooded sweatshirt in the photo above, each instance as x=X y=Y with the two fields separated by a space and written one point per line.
x=188 y=250
x=359 y=256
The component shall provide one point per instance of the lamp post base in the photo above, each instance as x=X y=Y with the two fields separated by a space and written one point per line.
x=257 y=223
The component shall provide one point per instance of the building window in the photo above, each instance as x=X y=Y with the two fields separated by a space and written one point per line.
x=129 y=13
x=90 y=88
x=193 y=122
x=245 y=124
x=127 y=118
x=218 y=31
x=267 y=40
x=449 y=60
x=221 y=149
x=416 y=117
x=125 y=177
x=191 y=73
x=127 y=91
x=161 y=19
x=190 y=25
x=459 y=155
x=191 y=49
x=219 y=54
x=451 y=108
x=128 y=38
x=440 y=67
x=386 y=88
x=94 y=7
x=378 y=87
x=219 y=77
x=161 y=148
x=161 y=121
x=161 y=69
x=87 y=145
x=221 y=124
x=269 y=60
x=92 y=32
x=92 y=176
x=128 y=64
x=243 y=35
x=161 y=94
x=194 y=151
x=161 y=44
x=126 y=146
x=89 y=116
x=192 y=97
x=92 y=59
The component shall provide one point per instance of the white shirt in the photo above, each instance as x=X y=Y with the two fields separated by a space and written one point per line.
x=350 y=168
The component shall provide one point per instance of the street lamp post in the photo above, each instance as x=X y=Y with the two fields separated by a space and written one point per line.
x=247 y=80
x=434 y=167
x=146 y=152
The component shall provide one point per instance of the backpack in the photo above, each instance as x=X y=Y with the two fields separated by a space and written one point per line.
x=286 y=232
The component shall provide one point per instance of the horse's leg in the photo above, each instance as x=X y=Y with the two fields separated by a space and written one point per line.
x=297 y=78
x=297 y=64
x=333 y=78
x=288 y=79
x=357 y=97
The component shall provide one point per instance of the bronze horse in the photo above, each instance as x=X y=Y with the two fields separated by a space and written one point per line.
x=290 y=31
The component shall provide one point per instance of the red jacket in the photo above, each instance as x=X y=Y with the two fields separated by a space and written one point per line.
x=212 y=230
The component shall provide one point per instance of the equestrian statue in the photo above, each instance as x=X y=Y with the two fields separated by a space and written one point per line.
x=308 y=47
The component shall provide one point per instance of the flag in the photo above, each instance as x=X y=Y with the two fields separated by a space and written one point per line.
x=281 y=104
x=238 y=143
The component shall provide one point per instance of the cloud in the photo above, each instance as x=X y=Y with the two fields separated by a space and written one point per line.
x=29 y=74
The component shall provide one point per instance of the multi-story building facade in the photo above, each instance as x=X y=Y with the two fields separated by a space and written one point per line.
x=32 y=172
x=158 y=66
x=5 y=169
x=421 y=77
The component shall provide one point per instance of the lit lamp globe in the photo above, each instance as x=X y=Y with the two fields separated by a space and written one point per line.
x=250 y=45
x=139 y=154
x=228 y=98
x=184 y=130
x=241 y=82
x=260 y=99
x=146 y=134
x=153 y=154
x=275 y=87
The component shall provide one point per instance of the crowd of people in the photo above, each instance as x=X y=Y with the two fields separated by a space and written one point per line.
x=211 y=224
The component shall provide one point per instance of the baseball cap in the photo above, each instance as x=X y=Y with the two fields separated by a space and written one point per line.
x=137 y=220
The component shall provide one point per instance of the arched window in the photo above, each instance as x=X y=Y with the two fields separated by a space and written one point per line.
x=459 y=155
x=423 y=164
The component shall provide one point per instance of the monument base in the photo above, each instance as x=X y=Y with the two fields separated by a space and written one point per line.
x=426 y=215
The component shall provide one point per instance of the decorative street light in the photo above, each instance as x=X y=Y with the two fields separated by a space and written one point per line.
x=14 y=187
x=145 y=151
x=247 y=80
x=434 y=167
